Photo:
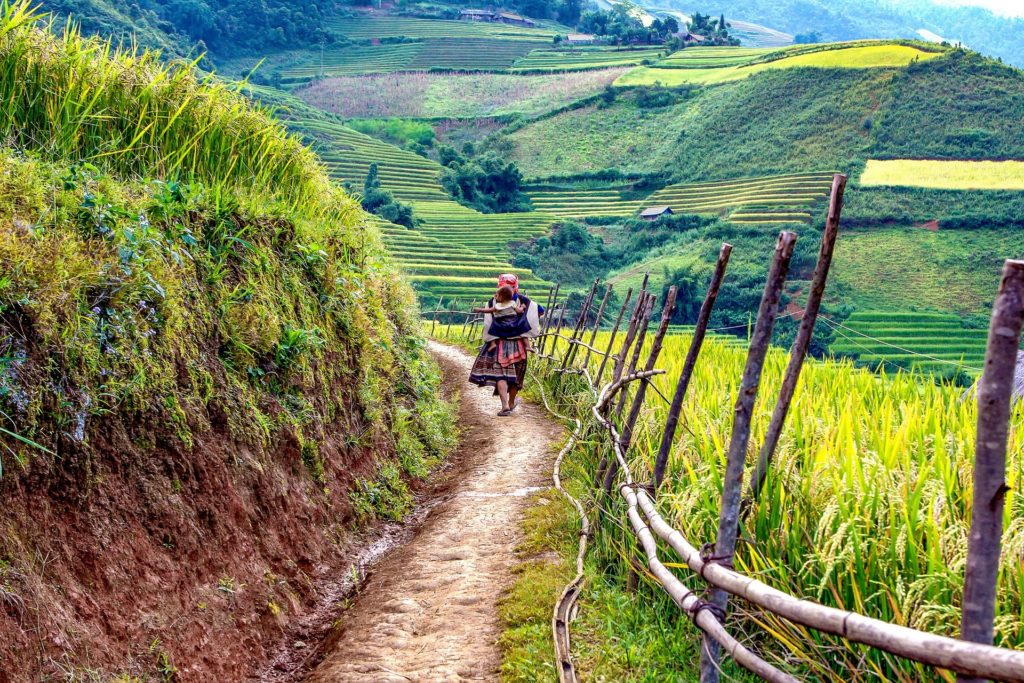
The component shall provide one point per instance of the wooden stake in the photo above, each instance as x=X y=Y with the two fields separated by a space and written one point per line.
x=611 y=340
x=683 y=384
x=995 y=393
x=798 y=352
x=597 y=324
x=448 y=330
x=581 y=323
x=645 y=321
x=728 y=519
x=433 y=318
x=549 y=314
x=652 y=358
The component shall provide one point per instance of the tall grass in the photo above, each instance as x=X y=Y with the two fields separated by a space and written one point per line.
x=77 y=98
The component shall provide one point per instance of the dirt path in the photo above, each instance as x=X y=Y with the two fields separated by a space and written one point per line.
x=429 y=611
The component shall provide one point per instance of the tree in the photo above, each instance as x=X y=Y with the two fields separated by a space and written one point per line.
x=671 y=25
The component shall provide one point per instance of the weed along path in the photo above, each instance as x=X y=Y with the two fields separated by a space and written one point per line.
x=429 y=610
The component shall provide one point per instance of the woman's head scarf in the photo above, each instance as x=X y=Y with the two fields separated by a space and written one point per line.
x=510 y=280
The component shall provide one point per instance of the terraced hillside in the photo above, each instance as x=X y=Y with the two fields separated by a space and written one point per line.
x=444 y=269
x=931 y=342
x=836 y=55
x=711 y=57
x=349 y=153
x=369 y=27
x=484 y=233
x=756 y=201
x=580 y=58
x=580 y=203
x=467 y=54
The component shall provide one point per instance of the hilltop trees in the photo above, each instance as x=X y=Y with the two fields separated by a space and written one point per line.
x=484 y=181
x=381 y=202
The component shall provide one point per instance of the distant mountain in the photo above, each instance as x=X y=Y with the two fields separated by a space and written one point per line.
x=975 y=27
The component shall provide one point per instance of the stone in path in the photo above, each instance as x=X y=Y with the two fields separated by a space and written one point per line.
x=429 y=611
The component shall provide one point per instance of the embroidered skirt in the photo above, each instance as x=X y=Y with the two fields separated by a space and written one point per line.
x=488 y=369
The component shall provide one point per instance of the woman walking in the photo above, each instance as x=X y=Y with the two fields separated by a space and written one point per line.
x=501 y=362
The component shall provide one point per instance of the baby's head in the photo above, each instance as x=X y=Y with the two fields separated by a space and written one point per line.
x=503 y=294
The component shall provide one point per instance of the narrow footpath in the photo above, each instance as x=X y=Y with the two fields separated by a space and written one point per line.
x=429 y=610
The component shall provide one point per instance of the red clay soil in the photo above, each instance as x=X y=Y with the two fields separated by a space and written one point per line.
x=931 y=225
x=136 y=556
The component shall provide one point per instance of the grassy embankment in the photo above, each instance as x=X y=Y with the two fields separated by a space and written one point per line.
x=208 y=338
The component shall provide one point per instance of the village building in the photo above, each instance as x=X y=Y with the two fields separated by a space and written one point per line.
x=498 y=17
x=580 y=39
x=653 y=213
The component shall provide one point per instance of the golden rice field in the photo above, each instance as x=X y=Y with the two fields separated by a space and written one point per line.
x=867 y=507
x=944 y=174
x=854 y=57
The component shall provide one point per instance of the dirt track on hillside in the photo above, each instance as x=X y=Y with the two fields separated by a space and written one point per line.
x=429 y=610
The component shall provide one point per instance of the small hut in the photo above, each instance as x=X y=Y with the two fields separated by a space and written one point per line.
x=653 y=213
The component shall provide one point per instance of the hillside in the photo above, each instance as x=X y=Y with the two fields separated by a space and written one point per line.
x=975 y=27
x=210 y=373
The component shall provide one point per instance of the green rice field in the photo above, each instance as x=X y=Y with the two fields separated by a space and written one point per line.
x=756 y=201
x=711 y=57
x=580 y=203
x=468 y=54
x=931 y=342
x=574 y=59
x=857 y=56
x=370 y=27
x=443 y=269
x=484 y=233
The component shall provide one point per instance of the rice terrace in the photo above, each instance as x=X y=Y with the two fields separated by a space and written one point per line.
x=578 y=340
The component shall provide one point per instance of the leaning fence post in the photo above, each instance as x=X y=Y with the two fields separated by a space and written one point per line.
x=803 y=339
x=581 y=324
x=995 y=393
x=465 y=323
x=605 y=465
x=728 y=518
x=549 y=314
x=597 y=324
x=558 y=329
x=611 y=339
x=652 y=358
x=672 y=422
x=645 y=321
x=433 y=318
x=448 y=330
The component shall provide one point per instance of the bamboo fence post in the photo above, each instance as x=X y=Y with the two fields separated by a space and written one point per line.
x=645 y=321
x=597 y=323
x=580 y=325
x=672 y=422
x=465 y=323
x=607 y=466
x=627 y=343
x=433 y=318
x=728 y=519
x=995 y=393
x=549 y=314
x=615 y=331
x=652 y=358
x=798 y=352
x=448 y=330
x=558 y=328
x=642 y=323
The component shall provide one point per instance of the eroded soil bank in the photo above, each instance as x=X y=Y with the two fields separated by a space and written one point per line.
x=429 y=610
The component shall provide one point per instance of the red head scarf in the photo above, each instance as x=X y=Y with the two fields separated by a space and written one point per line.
x=510 y=280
